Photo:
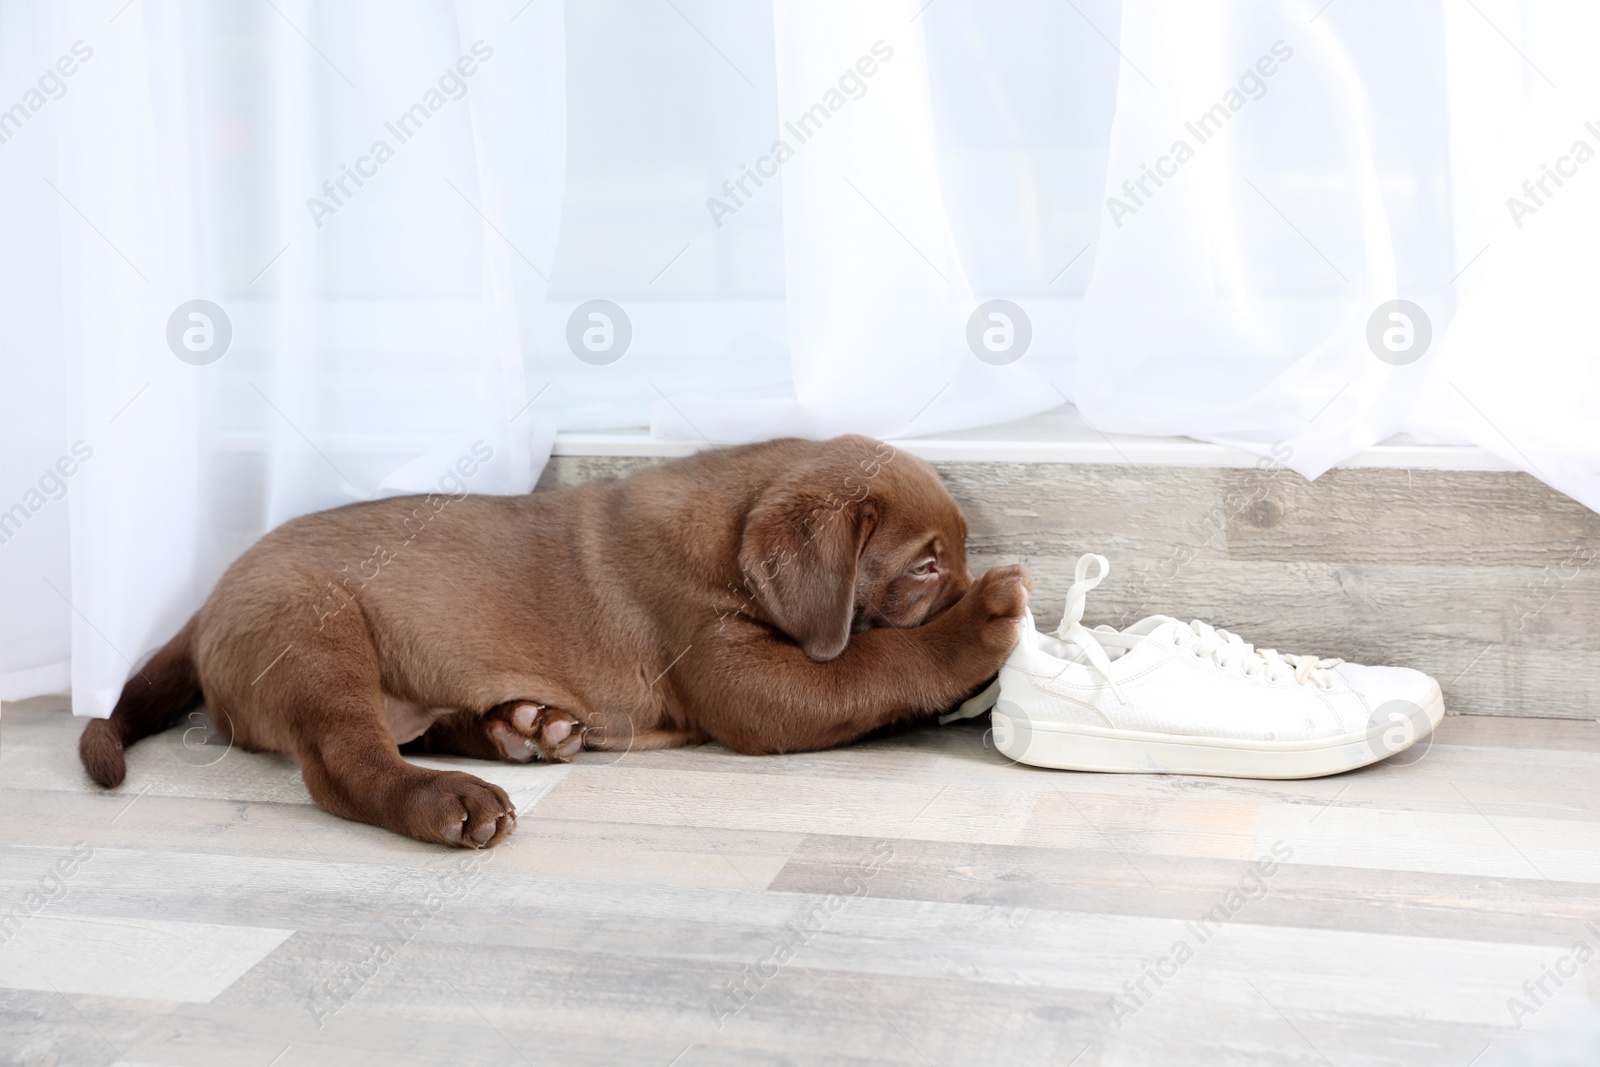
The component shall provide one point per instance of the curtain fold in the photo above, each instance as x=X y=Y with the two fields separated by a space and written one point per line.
x=878 y=298
x=1227 y=304
x=125 y=183
x=235 y=353
x=1251 y=290
x=1518 y=371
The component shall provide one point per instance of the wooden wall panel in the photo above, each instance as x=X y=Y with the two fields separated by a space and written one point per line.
x=1484 y=579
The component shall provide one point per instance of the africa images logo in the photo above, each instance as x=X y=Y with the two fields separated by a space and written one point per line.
x=1252 y=886
x=599 y=332
x=199 y=332
x=1252 y=85
x=451 y=85
x=999 y=332
x=851 y=85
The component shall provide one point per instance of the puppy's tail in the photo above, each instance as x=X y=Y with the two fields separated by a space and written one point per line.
x=167 y=685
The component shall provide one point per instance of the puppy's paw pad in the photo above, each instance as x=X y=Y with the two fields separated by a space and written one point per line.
x=514 y=747
x=524 y=730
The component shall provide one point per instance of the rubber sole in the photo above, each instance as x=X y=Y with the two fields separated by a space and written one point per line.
x=1092 y=748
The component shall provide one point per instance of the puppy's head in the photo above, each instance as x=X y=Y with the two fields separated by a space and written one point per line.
x=853 y=535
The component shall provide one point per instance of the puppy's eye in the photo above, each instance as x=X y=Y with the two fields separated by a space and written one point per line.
x=925 y=568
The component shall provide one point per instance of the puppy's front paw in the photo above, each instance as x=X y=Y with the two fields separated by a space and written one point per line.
x=458 y=809
x=1000 y=598
x=524 y=730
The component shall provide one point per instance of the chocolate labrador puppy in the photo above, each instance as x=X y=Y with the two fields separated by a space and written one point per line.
x=777 y=597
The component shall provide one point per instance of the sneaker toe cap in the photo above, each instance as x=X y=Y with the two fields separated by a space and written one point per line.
x=1379 y=686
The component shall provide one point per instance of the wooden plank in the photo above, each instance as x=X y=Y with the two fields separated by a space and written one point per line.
x=1029 y=512
x=132 y=957
x=58 y=1028
x=785 y=804
x=1428 y=517
x=1503 y=732
x=1020 y=880
x=583 y=1007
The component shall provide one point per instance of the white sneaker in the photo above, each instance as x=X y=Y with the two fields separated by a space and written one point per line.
x=1164 y=696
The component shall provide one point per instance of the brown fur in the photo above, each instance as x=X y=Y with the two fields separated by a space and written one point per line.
x=761 y=596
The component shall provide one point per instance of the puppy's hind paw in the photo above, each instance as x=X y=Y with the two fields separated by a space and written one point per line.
x=525 y=730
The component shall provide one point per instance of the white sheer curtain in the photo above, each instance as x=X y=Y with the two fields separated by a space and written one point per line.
x=1213 y=312
x=878 y=296
x=733 y=220
x=1378 y=161
x=1519 y=369
x=365 y=228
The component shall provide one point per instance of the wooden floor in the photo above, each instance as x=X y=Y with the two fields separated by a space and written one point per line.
x=913 y=900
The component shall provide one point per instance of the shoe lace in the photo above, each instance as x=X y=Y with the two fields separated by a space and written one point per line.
x=1224 y=648
x=1221 y=646
x=1229 y=649
x=1073 y=632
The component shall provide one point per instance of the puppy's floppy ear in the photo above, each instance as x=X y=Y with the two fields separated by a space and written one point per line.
x=799 y=557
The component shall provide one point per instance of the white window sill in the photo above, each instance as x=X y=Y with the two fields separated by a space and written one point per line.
x=1060 y=436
